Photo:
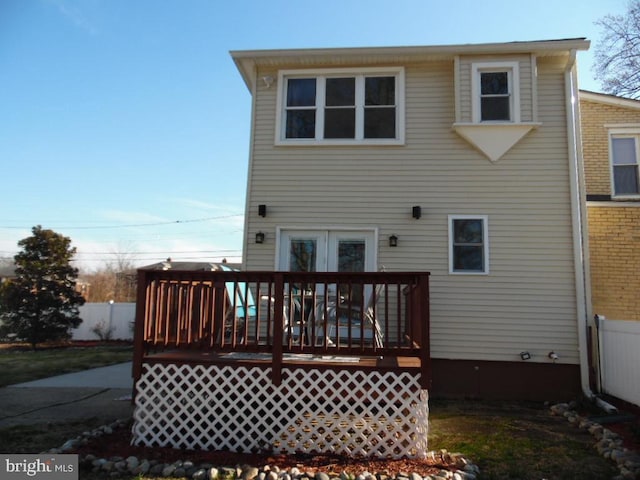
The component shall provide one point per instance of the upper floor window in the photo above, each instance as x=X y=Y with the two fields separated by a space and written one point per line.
x=341 y=106
x=625 y=165
x=495 y=92
x=468 y=244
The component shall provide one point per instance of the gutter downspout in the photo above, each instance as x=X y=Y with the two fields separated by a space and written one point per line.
x=579 y=224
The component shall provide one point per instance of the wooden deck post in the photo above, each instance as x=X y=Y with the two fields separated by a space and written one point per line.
x=139 y=327
x=219 y=293
x=278 y=329
x=425 y=324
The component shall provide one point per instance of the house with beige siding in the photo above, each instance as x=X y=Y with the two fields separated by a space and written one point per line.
x=463 y=161
x=415 y=226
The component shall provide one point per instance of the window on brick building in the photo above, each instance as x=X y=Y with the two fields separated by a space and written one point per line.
x=625 y=174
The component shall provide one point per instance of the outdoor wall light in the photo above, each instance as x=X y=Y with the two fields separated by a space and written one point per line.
x=525 y=355
x=262 y=210
x=416 y=212
x=268 y=81
x=393 y=241
x=259 y=237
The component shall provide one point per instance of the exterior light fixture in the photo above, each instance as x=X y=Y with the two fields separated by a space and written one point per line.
x=262 y=210
x=268 y=81
x=259 y=237
x=525 y=355
x=393 y=241
x=416 y=212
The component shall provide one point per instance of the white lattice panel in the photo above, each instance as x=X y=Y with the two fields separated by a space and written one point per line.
x=239 y=409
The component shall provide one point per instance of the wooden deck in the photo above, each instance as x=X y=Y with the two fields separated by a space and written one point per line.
x=292 y=362
x=372 y=321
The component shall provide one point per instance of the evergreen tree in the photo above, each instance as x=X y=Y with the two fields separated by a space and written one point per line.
x=41 y=303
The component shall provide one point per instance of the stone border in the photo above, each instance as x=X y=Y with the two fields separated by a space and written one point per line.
x=118 y=467
x=609 y=444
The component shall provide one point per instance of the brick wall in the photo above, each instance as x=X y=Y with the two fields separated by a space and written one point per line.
x=614 y=247
x=614 y=227
x=595 y=141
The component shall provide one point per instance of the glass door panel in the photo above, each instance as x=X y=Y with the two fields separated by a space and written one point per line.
x=351 y=258
x=303 y=251
x=303 y=255
x=351 y=252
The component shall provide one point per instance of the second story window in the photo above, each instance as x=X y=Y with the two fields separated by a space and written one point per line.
x=495 y=97
x=301 y=108
x=495 y=92
x=341 y=107
x=624 y=163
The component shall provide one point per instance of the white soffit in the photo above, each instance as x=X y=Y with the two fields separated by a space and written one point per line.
x=493 y=140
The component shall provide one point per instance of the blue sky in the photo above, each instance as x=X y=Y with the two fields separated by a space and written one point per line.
x=124 y=124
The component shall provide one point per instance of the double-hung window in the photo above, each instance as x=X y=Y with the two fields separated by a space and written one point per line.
x=468 y=244
x=495 y=91
x=625 y=163
x=341 y=106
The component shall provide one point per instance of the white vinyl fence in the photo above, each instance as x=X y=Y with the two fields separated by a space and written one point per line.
x=112 y=319
x=620 y=359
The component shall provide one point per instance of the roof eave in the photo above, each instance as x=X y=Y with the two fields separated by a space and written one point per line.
x=610 y=99
x=248 y=60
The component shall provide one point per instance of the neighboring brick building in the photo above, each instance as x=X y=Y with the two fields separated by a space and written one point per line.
x=611 y=149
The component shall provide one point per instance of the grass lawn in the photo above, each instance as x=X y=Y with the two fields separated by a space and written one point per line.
x=516 y=441
x=19 y=365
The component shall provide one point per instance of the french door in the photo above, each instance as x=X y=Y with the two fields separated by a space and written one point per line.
x=327 y=251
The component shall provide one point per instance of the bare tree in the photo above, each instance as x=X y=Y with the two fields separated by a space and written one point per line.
x=115 y=280
x=617 y=55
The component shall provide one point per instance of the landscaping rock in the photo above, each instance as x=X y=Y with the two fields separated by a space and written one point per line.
x=609 y=444
x=168 y=470
x=249 y=473
x=120 y=467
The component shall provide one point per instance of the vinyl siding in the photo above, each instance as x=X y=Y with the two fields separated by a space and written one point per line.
x=527 y=301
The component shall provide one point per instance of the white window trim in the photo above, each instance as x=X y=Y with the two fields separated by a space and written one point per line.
x=622 y=131
x=283 y=75
x=513 y=71
x=485 y=243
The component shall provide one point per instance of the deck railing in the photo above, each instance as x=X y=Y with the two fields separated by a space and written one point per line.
x=382 y=314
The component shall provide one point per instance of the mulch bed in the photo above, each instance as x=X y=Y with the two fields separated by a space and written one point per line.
x=629 y=430
x=118 y=444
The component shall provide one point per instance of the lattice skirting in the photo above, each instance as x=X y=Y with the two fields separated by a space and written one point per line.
x=372 y=414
